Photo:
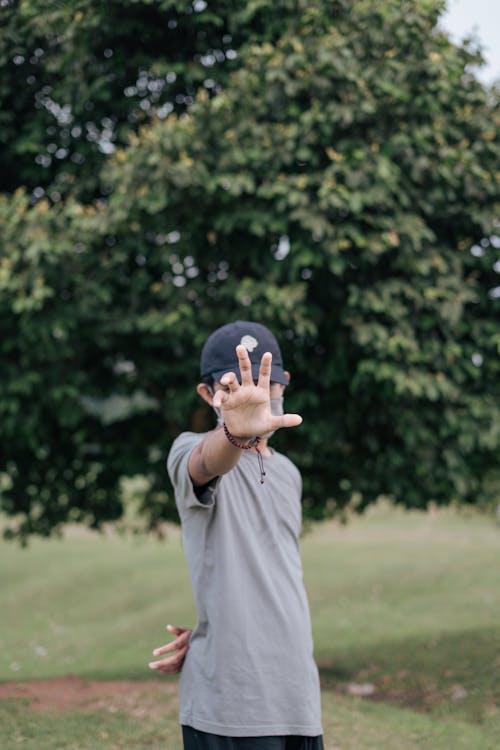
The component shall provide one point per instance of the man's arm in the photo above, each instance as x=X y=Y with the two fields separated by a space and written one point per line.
x=213 y=457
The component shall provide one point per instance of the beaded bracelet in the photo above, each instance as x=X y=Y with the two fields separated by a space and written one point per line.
x=253 y=444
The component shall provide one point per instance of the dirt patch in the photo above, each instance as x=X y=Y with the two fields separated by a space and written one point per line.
x=148 y=698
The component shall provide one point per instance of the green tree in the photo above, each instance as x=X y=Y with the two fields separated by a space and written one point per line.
x=79 y=76
x=340 y=188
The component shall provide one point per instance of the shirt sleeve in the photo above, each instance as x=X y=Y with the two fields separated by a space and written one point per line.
x=187 y=495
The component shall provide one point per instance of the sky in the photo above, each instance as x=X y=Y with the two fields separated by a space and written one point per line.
x=482 y=17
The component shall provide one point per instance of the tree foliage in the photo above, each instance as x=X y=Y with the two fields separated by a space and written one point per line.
x=336 y=180
x=80 y=76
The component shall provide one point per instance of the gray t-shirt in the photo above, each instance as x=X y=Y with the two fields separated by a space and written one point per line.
x=249 y=670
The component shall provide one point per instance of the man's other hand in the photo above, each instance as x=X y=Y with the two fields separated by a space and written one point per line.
x=177 y=649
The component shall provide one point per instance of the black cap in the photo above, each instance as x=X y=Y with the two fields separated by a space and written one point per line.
x=218 y=355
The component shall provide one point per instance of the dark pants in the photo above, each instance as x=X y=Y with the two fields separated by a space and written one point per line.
x=196 y=740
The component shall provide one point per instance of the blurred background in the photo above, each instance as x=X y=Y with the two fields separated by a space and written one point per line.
x=329 y=169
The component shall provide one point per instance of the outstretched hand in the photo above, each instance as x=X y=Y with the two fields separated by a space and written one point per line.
x=177 y=649
x=246 y=407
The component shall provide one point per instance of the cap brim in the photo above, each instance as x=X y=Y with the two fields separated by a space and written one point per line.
x=277 y=374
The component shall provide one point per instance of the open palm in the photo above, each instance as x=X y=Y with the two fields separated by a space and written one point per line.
x=246 y=407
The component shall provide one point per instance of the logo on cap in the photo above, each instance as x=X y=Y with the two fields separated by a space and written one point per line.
x=249 y=342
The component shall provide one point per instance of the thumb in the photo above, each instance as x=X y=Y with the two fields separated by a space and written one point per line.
x=220 y=398
x=286 y=420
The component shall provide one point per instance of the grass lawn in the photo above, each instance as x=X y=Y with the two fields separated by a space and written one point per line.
x=405 y=607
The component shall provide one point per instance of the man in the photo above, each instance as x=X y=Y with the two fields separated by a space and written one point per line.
x=249 y=680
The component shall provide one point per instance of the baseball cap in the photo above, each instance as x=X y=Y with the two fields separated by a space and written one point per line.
x=218 y=355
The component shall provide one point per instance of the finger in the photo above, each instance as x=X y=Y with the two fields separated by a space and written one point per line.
x=163 y=664
x=168 y=647
x=173 y=668
x=230 y=379
x=175 y=629
x=245 y=365
x=178 y=643
x=265 y=370
x=220 y=398
x=184 y=637
x=286 y=420
x=168 y=668
x=171 y=664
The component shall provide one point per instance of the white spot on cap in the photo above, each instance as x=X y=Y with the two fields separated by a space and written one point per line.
x=249 y=342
